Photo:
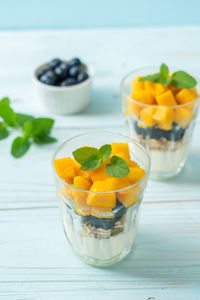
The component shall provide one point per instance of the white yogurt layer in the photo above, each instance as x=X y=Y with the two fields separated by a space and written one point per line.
x=169 y=160
x=100 y=248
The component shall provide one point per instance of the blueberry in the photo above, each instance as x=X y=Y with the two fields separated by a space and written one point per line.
x=51 y=76
x=74 y=71
x=54 y=63
x=74 y=62
x=42 y=72
x=47 y=80
x=68 y=82
x=61 y=71
x=82 y=76
x=65 y=68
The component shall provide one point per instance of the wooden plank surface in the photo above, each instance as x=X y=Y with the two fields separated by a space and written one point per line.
x=35 y=259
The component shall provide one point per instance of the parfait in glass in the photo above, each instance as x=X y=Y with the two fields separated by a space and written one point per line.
x=100 y=182
x=160 y=114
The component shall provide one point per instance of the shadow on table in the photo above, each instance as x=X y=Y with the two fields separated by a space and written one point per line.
x=170 y=261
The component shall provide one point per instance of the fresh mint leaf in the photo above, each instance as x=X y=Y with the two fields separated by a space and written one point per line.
x=152 y=77
x=104 y=152
x=91 y=163
x=19 y=147
x=82 y=154
x=4 y=133
x=6 y=113
x=22 y=118
x=165 y=79
x=28 y=127
x=164 y=70
x=117 y=167
x=45 y=140
x=181 y=79
x=42 y=126
x=5 y=101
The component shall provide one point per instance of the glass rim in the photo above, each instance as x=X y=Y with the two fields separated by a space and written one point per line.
x=154 y=105
x=101 y=132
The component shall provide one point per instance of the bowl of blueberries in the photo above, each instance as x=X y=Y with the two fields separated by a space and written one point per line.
x=63 y=86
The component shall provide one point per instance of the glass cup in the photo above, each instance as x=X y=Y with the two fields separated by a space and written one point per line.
x=97 y=235
x=168 y=147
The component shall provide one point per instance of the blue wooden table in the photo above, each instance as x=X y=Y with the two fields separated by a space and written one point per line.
x=35 y=259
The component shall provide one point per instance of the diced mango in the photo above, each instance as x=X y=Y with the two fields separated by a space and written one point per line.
x=149 y=87
x=183 y=116
x=99 y=174
x=153 y=88
x=120 y=147
x=69 y=172
x=143 y=96
x=174 y=90
x=66 y=167
x=101 y=212
x=186 y=96
x=85 y=174
x=164 y=117
x=146 y=116
x=68 y=192
x=166 y=99
x=80 y=197
x=116 y=183
x=136 y=174
x=133 y=108
x=81 y=183
x=101 y=199
x=129 y=196
x=84 y=211
x=136 y=84
x=159 y=88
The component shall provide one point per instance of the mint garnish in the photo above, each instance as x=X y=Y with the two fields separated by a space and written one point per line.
x=104 y=152
x=92 y=158
x=33 y=129
x=117 y=167
x=91 y=163
x=179 y=79
x=82 y=154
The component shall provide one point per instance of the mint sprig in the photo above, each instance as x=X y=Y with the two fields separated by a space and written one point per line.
x=179 y=79
x=92 y=158
x=34 y=130
x=117 y=167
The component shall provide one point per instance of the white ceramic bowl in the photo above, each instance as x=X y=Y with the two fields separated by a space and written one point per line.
x=62 y=99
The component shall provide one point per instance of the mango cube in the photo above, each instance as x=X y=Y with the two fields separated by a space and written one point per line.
x=137 y=85
x=80 y=197
x=146 y=116
x=186 y=96
x=142 y=96
x=164 y=117
x=66 y=167
x=133 y=108
x=100 y=212
x=120 y=147
x=99 y=174
x=136 y=174
x=183 y=116
x=166 y=99
x=101 y=199
x=129 y=196
x=153 y=88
